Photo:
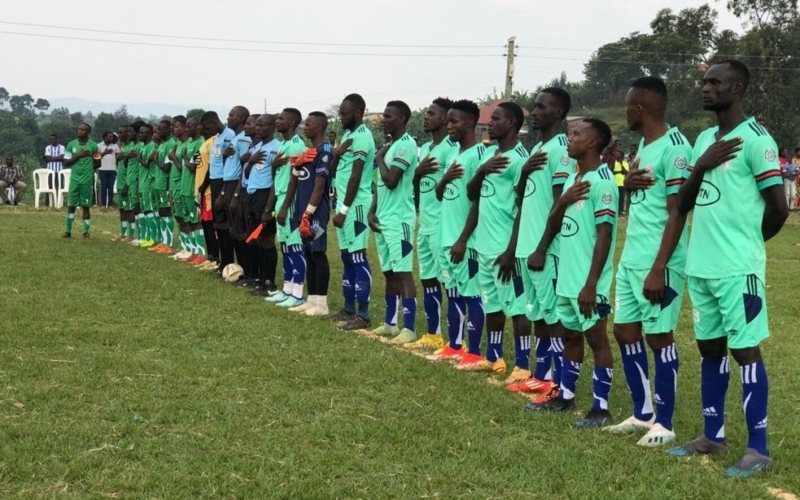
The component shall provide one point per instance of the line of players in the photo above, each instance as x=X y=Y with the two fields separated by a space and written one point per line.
x=504 y=232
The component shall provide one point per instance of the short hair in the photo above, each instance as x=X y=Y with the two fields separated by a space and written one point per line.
x=797 y=149
x=741 y=70
x=467 y=107
x=54 y=135
x=603 y=132
x=319 y=115
x=561 y=96
x=444 y=103
x=87 y=125
x=137 y=124
x=255 y=116
x=107 y=132
x=209 y=116
x=146 y=125
x=405 y=111
x=242 y=111
x=295 y=113
x=165 y=121
x=180 y=119
x=652 y=84
x=357 y=101
x=515 y=112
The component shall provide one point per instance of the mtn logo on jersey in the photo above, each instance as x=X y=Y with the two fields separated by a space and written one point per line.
x=530 y=187
x=487 y=189
x=450 y=193
x=569 y=227
x=427 y=184
x=710 y=412
x=708 y=195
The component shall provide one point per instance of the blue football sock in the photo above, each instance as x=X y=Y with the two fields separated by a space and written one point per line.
x=432 y=302
x=298 y=269
x=391 y=302
x=601 y=387
x=570 y=372
x=456 y=313
x=522 y=351
x=494 y=349
x=475 y=320
x=348 y=282
x=637 y=375
x=755 y=395
x=666 y=383
x=542 y=370
x=714 y=379
x=410 y=314
x=557 y=355
x=363 y=286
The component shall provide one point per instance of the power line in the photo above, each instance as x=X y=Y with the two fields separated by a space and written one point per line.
x=645 y=63
x=264 y=42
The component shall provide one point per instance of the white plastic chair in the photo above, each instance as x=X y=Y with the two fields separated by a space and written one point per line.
x=61 y=197
x=42 y=178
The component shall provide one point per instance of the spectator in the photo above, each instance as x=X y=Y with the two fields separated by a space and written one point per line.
x=632 y=153
x=789 y=172
x=109 y=153
x=10 y=175
x=796 y=162
x=332 y=138
x=54 y=156
x=620 y=170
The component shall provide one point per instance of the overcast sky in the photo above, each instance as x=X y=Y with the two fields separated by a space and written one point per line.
x=560 y=37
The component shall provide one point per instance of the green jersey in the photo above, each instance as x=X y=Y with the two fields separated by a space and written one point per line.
x=455 y=202
x=667 y=160
x=290 y=148
x=122 y=169
x=187 y=176
x=429 y=207
x=363 y=148
x=83 y=169
x=579 y=234
x=145 y=175
x=133 y=165
x=161 y=178
x=175 y=173
x=396 y=206
x=538 y=198
x=498 y=203
x=726 y=238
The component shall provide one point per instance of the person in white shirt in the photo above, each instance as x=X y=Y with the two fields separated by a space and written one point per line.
x=54 y=156
x=109 y=153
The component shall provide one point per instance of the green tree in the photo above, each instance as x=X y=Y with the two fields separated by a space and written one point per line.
x=3 y=97
x=195 y=113
x=41 y=105
x=21 y=104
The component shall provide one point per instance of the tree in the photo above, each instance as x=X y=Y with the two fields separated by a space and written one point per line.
x=41 y=105
x=195 y=113
x=21 y=104
x=3 y=97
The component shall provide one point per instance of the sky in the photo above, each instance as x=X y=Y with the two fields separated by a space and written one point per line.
x=414 y=50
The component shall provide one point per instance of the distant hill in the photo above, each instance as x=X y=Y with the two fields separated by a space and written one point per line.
x=139 y=109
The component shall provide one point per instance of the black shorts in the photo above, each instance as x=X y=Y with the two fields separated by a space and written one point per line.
x=220 y=217
x=254 y=206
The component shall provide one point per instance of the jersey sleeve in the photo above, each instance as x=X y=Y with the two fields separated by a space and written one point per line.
x=243 y=146
x=604 y=196
x=362 y=146
x=762 y=157
x=562 y=166
x=322 y=164
x=676 y=167
x=404 y=157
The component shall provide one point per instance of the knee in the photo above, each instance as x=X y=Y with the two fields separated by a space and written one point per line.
x=746 y=356
x=713 y=349
x=627 y=334
x=597 y=340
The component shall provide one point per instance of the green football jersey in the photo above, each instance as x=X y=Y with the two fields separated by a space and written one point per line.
x=122 y=169
x=726 y=238
x=498 y=203
x=161 y=178
x=174 y=173
x=145 y=175
x=455 y=202
x=429 y=207
x=667 y=159
x=538 y=198
x=83 y=169
x=133 y=165
x=363 y=148
x=579 y=234
x=187 y=176
x=289 y=148
x=396 y=206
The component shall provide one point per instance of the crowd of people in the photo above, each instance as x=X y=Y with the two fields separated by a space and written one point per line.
x=500 y=232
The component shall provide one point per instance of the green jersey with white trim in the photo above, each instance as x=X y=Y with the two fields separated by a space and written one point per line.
x=726 y=238
x=579 y=234
x=430 y=208
x=289 y=148
x=362 y=148
x=667 y=160
x=396 y=206
x=455 y=202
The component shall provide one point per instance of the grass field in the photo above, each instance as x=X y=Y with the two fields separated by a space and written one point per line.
x=127 y=375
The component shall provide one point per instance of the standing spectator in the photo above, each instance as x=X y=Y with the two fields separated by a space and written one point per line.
x=54 y=156
x=109 y=153
x=10 y=175
x=632 y=153
x=620 y=168
x=789 y=173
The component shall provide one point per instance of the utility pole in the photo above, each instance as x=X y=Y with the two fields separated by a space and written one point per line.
x=510 y=54
x=265 y=105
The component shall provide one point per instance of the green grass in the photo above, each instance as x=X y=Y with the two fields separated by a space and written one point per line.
x=127 y=375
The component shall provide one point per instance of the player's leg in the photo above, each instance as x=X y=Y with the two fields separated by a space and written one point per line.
x=428 y=259
x=357 y=234
x=320 y=269
x=712 y=343
x=470 y=292
x=73 y=200
x=401 y=256
x=515 y=304
x=595 y=331
x=456 y=307
x=86 y=191
x=299 y=268
x=494 y=322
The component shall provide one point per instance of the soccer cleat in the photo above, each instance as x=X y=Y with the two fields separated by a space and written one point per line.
x=341 y=316
x=446 y=353
x=301 y=307
x=484 y=365
x=556 y=403
x=386 y=330
x=750 y=464
x=631 y=425
x=354 y=323
x=699 y=446
x=468 y=359
x=86 y=236
x=146 y=243
x=209 y=266
x=405 y=336
x=657 y=435
x=277 y=298
x=184 y=255
x=66 y=235
x=318 y=310
x=127 y=239
x=291 y=302
x=193 y=259
x=135 y=243
x=531 y=385
x=594 y=419
x=164 y=249
x=545 y=396
x=518 y=375
x=427 y=341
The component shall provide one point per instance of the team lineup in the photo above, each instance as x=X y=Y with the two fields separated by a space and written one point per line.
x=501 y=232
